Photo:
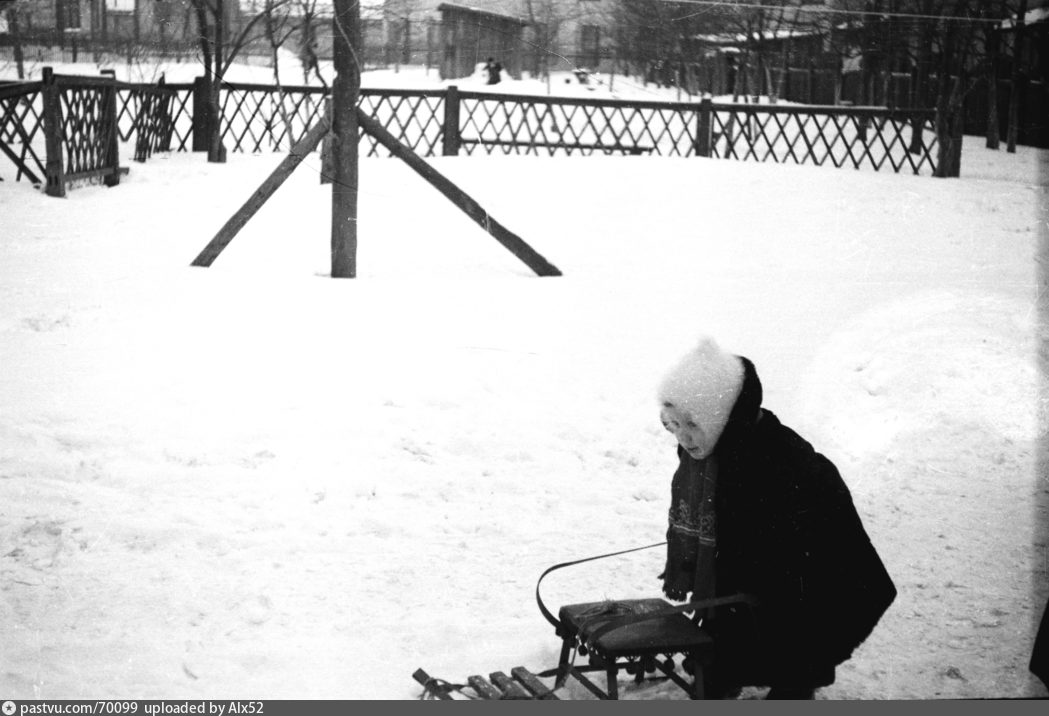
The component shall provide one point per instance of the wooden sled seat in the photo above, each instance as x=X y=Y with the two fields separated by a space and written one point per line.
x=638 y=647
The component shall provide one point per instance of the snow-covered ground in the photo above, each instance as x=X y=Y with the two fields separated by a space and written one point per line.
x=256 y=481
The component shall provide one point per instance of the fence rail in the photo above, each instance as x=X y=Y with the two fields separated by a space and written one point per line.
x=94 y=112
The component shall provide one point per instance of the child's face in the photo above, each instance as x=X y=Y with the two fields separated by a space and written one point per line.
x=688 y=433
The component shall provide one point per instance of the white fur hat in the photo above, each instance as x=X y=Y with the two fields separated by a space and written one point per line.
x=705 y=383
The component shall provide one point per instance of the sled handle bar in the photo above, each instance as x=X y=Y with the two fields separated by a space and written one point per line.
x=539 y=600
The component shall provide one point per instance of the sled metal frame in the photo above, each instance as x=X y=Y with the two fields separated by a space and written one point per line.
x=639 y=648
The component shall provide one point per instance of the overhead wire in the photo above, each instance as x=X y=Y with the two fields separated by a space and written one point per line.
x=826 y=10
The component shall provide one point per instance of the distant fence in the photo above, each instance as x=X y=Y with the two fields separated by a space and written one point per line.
x=66 y=128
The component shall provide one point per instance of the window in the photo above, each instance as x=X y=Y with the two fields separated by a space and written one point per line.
x=590 y=46
x=163 y=12
x=67 y=13
x=119 y=5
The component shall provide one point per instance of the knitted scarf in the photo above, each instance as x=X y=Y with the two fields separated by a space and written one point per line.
x=692 y=532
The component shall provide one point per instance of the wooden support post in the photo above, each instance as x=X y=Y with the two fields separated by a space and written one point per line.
x=226 y=234
x=201 y=111
x=450 y=128
x=54 y=174
x=112 y=138
x=465 y=202
x=345 y=90
x=703 y=124
x=327 y=161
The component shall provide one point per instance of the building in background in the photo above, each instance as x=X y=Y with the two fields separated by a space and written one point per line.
x=469 y=37
x=540 y=36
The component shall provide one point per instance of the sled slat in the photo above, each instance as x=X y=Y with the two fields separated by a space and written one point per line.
x=532 y=683
x=511 y=689
x=484 y=689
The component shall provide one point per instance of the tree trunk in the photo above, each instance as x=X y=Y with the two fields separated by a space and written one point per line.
x=216 y=149
x=345 y=92
x=275 y=43
x=16 y=37
x=993 y=130
x=211 y=54
x=949 y=117
x=921 y=86
x=784 y=70
x=1014 y=84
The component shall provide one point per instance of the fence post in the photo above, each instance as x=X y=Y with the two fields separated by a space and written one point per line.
x=451 y=122
x=166 y=123
x=54 y=176
x=200 y=115
x=703 y=128
x=112 y=151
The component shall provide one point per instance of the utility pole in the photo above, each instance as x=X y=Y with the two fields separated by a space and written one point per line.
x=345 y=91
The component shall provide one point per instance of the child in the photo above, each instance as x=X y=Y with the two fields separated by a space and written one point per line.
x=756 y=510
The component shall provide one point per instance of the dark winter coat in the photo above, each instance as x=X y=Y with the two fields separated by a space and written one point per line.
x=1040 y=653
x=788 y=533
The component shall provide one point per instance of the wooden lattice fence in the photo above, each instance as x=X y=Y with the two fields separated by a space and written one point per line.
x=21 y=138
x=856 y=137
x=80 y=130
x=93 y=114
x=263 y=118
x=162 y=112
x=853 y=137
x=451 y=122
x=81 y=111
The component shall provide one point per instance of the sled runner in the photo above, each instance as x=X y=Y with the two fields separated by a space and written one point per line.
x=635 y=636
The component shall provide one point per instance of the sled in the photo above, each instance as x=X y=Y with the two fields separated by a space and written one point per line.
x=634 y=636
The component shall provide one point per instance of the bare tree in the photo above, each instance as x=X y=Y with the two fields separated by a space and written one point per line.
x=399 y=18
x=277 y=27
x=13 y=15
x=219 y=46
x=945 y=41
x=651 y=34
x=992 y=42
x=309 y=18
x=758 y=25
x=955 y=44
x=545 y=18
